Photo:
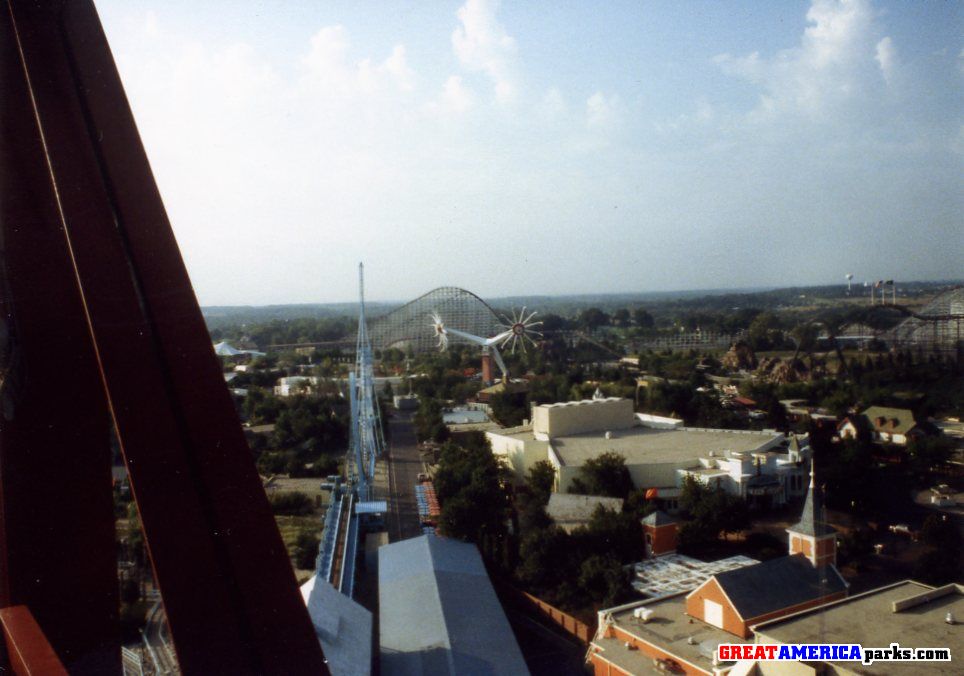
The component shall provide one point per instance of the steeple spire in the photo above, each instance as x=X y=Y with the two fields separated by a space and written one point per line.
x=812 y=520
x=812 y=536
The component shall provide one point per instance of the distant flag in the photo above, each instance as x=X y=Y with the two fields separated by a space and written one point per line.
x=879 y=283
x=652 y=493
x=889 y=282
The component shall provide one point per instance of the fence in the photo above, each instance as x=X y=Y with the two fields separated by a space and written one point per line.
x=570 y=624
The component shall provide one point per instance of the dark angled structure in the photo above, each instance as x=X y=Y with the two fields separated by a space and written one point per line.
x=100 y=328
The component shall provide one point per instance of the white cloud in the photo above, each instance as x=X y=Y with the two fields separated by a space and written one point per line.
x=482 y=44
x=887 y=58
x=602 y=111
x=456 y=97
x=327 y=66
x=553 y=103
x=399 y=69
x=833 y=66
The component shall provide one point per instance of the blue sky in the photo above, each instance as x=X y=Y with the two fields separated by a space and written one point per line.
x=531 y=148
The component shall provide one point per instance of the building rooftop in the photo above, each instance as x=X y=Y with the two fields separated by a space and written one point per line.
x=438 y=612
x=670 y=628
x=658 y=518
x=646 y=445
x=581 y=402
x=908 y=612
x=524 y=431
x=896 y=420
x=675 y=573
x=569 y=510
x=343 y=627
x=463 y=416
x=779 y=583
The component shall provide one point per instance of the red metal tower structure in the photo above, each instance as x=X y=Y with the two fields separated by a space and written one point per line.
x=99 y=326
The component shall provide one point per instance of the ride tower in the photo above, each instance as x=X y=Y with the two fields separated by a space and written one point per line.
x=367 y=439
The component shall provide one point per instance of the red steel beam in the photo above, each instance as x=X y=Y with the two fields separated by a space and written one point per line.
x=57 y=546
x=28 y=652
x=226 y=581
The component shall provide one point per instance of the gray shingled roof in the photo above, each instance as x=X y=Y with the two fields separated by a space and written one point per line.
x=658 y=518
x=777 y=584
x=438 y=612
x=812 y=521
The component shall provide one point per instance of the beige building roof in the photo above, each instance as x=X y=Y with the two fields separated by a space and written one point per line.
x=909 y=613
x=670 y=629
x=645 y=445
x=895 y=420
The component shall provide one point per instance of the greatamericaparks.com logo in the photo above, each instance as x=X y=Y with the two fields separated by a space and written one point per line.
x=829 y=652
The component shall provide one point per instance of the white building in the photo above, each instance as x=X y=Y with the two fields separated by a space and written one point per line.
x=290 y=386
x=659 y=452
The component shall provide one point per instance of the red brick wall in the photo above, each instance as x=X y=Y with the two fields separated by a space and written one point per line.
x=826 y=549
x=664 y=538
x=731 y=620
x=711 y=590
x=799 y=545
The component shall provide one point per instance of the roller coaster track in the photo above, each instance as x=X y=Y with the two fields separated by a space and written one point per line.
x=342 y=544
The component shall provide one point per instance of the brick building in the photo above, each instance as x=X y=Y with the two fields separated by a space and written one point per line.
x=679 y=633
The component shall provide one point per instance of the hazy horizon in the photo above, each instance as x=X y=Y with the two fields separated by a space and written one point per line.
x=655 y=296
x=526 y=149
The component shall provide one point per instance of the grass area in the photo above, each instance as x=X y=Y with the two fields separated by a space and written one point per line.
x=291 y=526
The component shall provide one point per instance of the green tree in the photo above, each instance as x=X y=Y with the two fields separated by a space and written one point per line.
x=306 y=550
x=605 y=475
x=428 y=422
x=540 y=479
x=764 y=332
x=546 y=559
x=603 y=580
x=592 y=318
x=643 y=319
x=469 y=484
x=941 y=562
x=928 y=453
x=617 y=533
x=709 y=511
x=509 y=408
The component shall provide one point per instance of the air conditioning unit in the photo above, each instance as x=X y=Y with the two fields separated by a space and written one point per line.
x=643 y=614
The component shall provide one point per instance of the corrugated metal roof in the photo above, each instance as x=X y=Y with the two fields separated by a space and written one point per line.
x=438 y=612
x=343 y=627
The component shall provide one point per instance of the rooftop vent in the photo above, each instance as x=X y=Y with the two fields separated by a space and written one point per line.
x=949 y=618
x=609 y=435
x=644 y=614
